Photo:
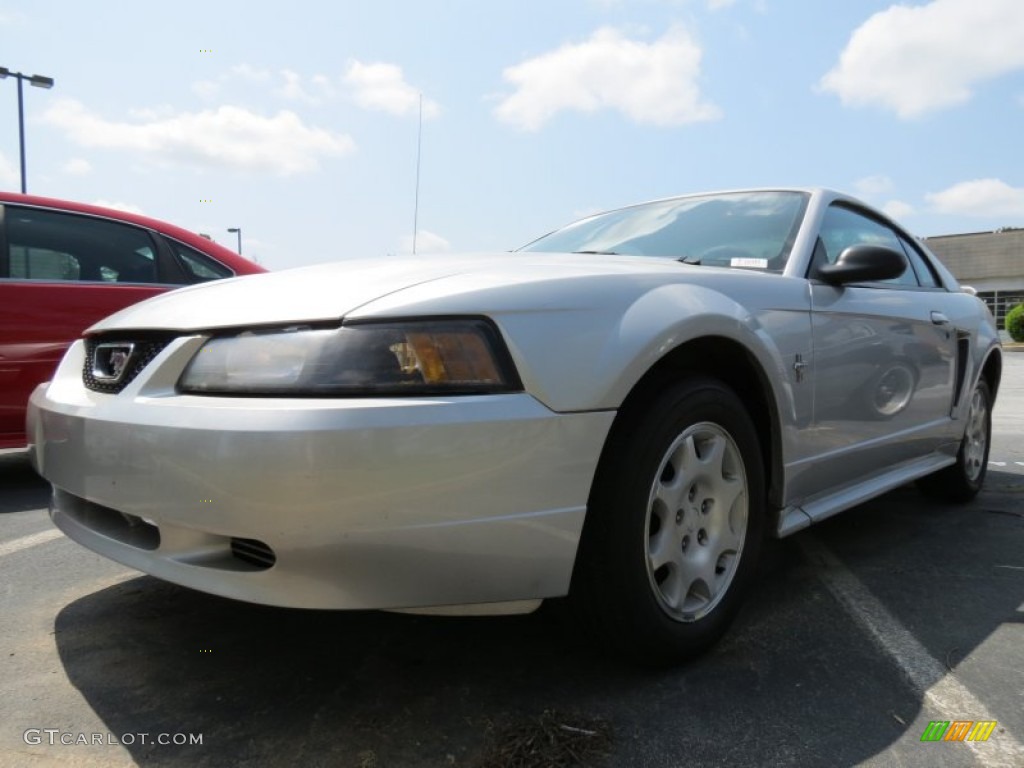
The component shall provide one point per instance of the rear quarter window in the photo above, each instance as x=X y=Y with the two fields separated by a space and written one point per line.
x=198 y=266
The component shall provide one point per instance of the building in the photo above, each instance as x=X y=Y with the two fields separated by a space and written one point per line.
x=990 y=262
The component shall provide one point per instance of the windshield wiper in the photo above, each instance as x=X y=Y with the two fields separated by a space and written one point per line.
x=692 y=260
x=599 y=253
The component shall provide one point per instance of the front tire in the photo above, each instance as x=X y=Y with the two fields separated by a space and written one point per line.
x=962 y=481
x=675 y=524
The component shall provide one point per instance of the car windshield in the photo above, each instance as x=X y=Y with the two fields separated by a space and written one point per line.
x=751 y=230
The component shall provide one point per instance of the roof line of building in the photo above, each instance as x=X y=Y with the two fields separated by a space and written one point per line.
x=999 y=231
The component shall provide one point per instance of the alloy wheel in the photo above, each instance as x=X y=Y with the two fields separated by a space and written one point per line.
x=697 y=515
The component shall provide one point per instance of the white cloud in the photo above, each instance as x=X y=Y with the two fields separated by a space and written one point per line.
x=648 y=82
x=898 y=209
x=247 y=72
x=317 y=92
x=227 y=137
x=117 y=205
x=377 y=86
x=917 y=59
x=77 y=166
x=207 y=90
x=980 y=197
x=717 y=5
x=426 y=242
x=149 y=114
x=871 y=186
x=210 y=89
x=292 y=88
x=381 y=86
x=9 y=176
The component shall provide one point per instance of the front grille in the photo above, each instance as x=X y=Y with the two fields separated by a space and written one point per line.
x=253 y=552
x=143 y=352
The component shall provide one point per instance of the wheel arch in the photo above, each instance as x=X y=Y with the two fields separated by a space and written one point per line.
x=992 y=371
x=730 y=362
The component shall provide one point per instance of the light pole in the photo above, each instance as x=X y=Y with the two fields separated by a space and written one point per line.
x=237 y=231
x=39 y=81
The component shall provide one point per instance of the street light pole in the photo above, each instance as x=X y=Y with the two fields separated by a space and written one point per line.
x=237 y=231
x=39 y=81
x=21 y=134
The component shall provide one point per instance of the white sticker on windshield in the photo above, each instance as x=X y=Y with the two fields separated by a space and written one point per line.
x=749 y=262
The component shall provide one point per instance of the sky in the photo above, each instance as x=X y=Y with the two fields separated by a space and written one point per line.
x=300 y=123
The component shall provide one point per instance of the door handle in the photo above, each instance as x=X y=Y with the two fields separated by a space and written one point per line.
x=938 y=318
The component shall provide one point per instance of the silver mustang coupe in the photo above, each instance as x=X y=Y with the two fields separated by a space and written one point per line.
x=621 y=412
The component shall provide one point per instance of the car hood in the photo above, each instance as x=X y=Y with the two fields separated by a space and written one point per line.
x=333 y=291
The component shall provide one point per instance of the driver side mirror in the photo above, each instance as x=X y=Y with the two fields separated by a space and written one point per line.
x=862 y=264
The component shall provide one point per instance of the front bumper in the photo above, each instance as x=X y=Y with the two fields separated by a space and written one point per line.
x=360 y=503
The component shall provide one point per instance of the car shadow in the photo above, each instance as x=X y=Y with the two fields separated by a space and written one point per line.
x=277 y=686
x=952 y=575
x=23 y=489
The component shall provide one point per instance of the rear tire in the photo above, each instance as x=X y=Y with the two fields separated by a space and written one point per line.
x=962 y=481
x=675 y=524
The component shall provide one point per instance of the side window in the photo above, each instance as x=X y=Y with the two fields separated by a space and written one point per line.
x=198 y=266
x=47 y=245
x=925 y=273
x=843 y=227
x=42 y=264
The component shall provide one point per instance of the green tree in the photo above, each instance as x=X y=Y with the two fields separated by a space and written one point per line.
x=1015 y=323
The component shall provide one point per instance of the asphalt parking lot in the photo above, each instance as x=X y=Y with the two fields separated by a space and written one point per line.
x=860 y=632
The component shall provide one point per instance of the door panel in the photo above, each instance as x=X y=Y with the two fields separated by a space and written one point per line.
x=883 y=375
x=884 y=365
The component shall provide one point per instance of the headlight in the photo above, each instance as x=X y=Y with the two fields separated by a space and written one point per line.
x=450 y=356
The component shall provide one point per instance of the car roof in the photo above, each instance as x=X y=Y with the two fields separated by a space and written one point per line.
x=239 y=264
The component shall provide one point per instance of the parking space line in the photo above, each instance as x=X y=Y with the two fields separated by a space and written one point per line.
x=929 y=678
x=16 y=545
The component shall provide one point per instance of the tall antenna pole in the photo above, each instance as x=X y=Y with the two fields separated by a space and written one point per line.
x=416 y=205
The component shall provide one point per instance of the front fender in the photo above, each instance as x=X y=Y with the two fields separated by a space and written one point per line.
x=597 y=355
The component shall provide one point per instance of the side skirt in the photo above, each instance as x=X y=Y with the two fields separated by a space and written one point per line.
x=797 y=517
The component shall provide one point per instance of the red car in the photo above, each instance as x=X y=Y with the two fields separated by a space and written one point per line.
x=65 y=265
